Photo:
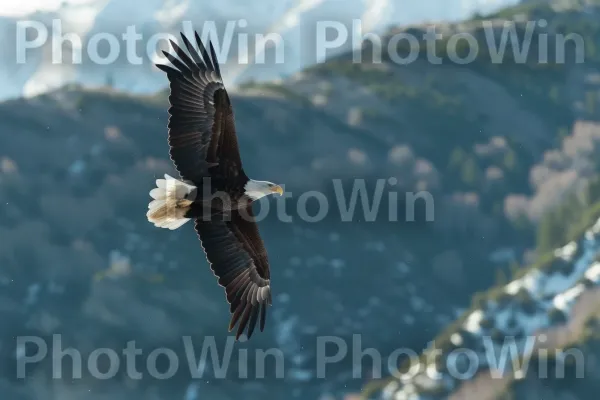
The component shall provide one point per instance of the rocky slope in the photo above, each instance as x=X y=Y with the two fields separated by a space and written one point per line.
x=541 y=315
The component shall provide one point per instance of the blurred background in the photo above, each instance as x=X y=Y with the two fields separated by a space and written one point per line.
x=507 y=150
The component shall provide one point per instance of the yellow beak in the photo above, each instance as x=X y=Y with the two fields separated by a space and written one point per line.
x=277 y=189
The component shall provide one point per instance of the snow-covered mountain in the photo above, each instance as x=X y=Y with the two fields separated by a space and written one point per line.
x=544 y=310
x=292 y=20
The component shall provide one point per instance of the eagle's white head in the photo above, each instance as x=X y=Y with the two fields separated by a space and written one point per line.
x=257 y=189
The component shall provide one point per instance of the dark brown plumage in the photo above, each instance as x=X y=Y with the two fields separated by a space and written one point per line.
x=203 y=144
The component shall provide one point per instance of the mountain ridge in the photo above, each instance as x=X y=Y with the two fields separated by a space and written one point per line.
x=574 y=300
x=86 y=18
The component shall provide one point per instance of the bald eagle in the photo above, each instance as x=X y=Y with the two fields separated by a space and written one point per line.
x=204 y=148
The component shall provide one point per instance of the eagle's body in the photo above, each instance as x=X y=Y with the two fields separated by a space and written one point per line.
x=214 y=190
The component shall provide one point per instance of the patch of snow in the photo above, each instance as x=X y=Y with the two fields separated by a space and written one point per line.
x=472 y=324
x=563 y=301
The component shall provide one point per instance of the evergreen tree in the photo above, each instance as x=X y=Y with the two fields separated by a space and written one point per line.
x=470 y=172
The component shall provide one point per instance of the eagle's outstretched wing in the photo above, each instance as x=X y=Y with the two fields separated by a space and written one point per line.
x=238 y=259
x=201 y=135
x=201 y=124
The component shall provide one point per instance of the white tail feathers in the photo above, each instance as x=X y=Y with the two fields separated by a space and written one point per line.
x=170 y=203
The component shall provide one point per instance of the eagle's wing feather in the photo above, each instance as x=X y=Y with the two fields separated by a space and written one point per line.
x=238 y=259
x=201 y=125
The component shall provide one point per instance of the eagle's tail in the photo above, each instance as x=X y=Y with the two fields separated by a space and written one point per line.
x=171 y=201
